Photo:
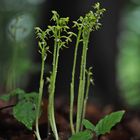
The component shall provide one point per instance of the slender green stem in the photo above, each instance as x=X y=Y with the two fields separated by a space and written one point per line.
x=81 y=85
x=72 y=83
x=52 y=90
x=86 y=94
x=51 y=103
x=60 y=40
x=40 y=96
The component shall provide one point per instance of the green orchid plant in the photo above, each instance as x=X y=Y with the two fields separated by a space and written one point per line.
x=28 y=108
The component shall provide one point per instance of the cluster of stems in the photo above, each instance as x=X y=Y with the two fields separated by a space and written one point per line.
x=85 y=26
x=60 y=34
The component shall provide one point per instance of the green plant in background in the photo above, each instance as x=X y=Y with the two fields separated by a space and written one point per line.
x=18 y=61
x=15 y=28
x=17 y=20
x=129 y=56
x=102 y=127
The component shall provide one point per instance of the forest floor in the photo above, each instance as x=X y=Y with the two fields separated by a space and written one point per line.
x=127 y=129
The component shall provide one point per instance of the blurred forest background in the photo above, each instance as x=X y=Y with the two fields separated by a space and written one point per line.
x=114 y=51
